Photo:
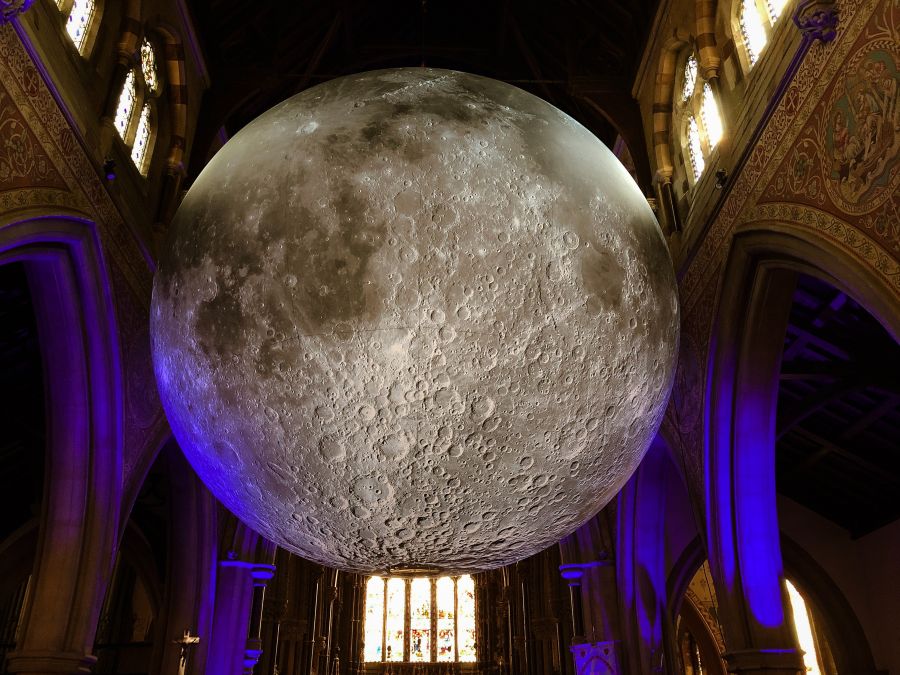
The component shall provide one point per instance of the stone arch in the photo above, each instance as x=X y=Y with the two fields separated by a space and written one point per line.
x=80 y=352
x=742 y=381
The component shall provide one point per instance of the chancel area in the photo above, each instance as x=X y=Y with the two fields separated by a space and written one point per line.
x=481 y=482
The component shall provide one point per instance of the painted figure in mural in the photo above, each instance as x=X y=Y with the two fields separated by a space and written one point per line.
x=865 y=130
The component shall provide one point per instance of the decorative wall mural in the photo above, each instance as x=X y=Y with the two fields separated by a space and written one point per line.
x=22 y=161
x=862 y=141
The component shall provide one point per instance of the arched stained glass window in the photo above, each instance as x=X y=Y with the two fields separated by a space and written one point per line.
x=148 y=66
x=420 y=620
x=752 y=29
x=139 y=150
x=373 y=629
x=125 y=106
x=446 y=619
x=690 y=78
x=695 y=148
x=79 y=22
x=709 y=113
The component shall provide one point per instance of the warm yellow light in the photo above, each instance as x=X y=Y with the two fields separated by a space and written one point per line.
x=804 y=630
x=712 y=121
x=753 y=29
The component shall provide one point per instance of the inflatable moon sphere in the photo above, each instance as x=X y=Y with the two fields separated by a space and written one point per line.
x=414 y=318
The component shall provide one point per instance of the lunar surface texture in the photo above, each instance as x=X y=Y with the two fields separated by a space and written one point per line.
x=414 y=318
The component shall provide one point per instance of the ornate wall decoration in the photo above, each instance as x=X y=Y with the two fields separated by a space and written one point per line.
x=23 y=163
x=792 y=176
x=862 y=139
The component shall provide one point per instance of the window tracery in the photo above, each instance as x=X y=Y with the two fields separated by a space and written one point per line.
x=697 y=115
x=139 y=89
x=419 y=620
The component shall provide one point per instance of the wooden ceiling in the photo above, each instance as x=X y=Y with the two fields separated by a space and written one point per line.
x=577 y=54
x=838 y=428
x=21 y=403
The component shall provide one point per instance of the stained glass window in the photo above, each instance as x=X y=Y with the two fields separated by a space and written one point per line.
x=695 y=150
x=465 y=620
x=142 y=140
x=430 y=620
x=803 y=626
x=709 y=113
x=148 y=66
x=394 y=624
x=79 y=22
x=446 y=619
x=690 y=78
x=775 y=8
x=125 y=106
x=420 y=620
x=753 y=30
x=373 y=629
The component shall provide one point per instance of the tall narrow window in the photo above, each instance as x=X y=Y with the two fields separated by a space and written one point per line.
x=775 y=7
x=709 y=113
x=446 y=619
x=394 y=625
x=803 y=626
x=79 y=22
x=690 y=78
x=753 y=30
x=141 y=145
x=465 y=621
x=695 y=149
x=420 y=620
x=148 y=66
x=373 y=629
x=125 y=106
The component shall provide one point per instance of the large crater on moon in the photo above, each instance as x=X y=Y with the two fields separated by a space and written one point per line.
x=417 y=318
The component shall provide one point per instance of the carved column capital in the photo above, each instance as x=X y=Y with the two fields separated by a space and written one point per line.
x=817 y=19
x=10 y=9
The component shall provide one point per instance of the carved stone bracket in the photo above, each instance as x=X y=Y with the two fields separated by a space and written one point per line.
x=595 y=658
x=817 y=19
x=10 y=9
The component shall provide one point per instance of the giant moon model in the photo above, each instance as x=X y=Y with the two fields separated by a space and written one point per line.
x=414 y=318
